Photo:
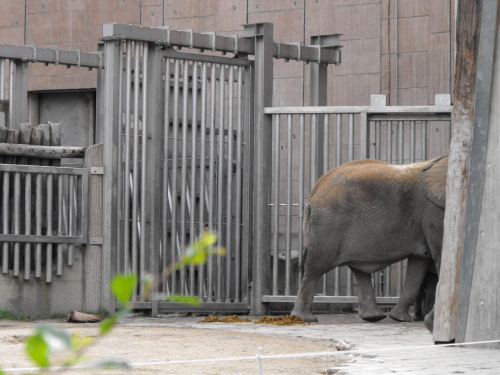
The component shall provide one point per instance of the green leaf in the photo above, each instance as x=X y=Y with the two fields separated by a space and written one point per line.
x=107 y=324
x=123 y=287
x=38 y=350
x=2 y=373
x=187 y=300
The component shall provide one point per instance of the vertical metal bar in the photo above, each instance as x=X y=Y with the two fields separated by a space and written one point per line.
x=313 y=150
x=412 y=142
x=326 y=165
x=263 y=93
x=143 y=190
x=401 y=153
x=135 y=163
x=11 y=94
x=165 y=182
x=424 y=140
x=211 y=174
x=238 y=224
x=336 y=290
x=173 y=232
x=220 y=179
x=38 y=229
x=351 y=136
x=5 y=219
x=288 y=206
x=2 y=79
x=185 y=92
x=389 y=141
x=302 y=141
x=364 y=136
x=72 y=216
x=229 y=229
x=59 y=224
x=27 y=226
x=48 y=261
x=276 y=207
x=126 y=173
x=351 y=158
x=121 y=223
x=194 y=125
x=17 y=221
x=378 y=140
x=201 y=215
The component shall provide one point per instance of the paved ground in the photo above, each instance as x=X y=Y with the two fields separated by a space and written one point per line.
x=385 y=347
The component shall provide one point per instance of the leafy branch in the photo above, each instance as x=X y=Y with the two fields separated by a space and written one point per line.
x=47 y=341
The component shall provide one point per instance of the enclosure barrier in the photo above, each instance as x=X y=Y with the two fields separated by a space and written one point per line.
x=14 y=62
x=43 y=206
x=179 y=132
x=393 y=134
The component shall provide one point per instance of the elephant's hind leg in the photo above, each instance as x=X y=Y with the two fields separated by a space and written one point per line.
x=303 y=303
x=368 y=309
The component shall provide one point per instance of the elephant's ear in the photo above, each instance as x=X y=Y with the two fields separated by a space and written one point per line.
x=433 y=178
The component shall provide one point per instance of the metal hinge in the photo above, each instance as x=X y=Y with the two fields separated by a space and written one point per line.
x=97 y=170
x=95 y=241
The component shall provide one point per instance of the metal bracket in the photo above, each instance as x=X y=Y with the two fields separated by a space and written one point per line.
x=97 y=170
x=95 y=241
x=212 y=37
x=190 y=32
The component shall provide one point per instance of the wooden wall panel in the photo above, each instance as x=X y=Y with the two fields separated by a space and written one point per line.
x=12 y=13
x=357 y=22
x=288 y=92
x=255 y=6
x=12 y=35
x=413 y=69
x=198 y=24
x=54 y=28
x=353 y=89
x=319 y=18
x=49 y=6
x=231 y=15
x=190 y=8
x=119 y=11
x=439 y=65
x=439 y=12
x=152 y=15
x=285 y=24
x=413 y=34
x=360 y=56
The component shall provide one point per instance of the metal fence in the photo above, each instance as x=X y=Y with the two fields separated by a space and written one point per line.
x=307 y=142
x=201 y=165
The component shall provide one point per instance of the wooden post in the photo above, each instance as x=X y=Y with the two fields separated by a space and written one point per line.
x=92 y=287
x=445 y=314
x=479 y=294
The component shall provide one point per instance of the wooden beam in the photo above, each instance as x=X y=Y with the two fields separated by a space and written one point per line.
x=43 y=152
x=467 y=36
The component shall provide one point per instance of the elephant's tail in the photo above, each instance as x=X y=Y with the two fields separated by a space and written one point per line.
x=305 y=231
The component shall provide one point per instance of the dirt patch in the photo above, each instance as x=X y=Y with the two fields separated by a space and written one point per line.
x=227 y=319
x=155 y=348
x=287 y=320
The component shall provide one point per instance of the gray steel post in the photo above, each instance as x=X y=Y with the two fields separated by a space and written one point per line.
x=154 y=110
x=262 y=33
x=20 y=99
x=111 y=138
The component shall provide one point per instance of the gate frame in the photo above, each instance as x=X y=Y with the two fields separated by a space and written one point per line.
x=257 y=40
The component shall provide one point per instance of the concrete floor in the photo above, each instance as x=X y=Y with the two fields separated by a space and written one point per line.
x=385 y=347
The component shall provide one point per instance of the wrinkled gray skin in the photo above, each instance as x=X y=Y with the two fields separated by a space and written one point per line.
x=368 y=215
x=426 y=296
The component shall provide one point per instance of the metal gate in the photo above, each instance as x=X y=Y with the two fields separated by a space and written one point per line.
x=397 y=135
x=183 y=168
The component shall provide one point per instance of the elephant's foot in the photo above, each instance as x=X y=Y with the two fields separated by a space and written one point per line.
x=372 y=314
x=305 y=316
x=400 y=316
x=418 y=316
x=429 y=321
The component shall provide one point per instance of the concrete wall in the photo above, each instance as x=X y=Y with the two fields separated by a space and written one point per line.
x=417 y=42
x=42 y=299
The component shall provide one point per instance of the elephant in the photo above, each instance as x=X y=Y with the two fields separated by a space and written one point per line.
x=424 y=302
x=367 y=215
